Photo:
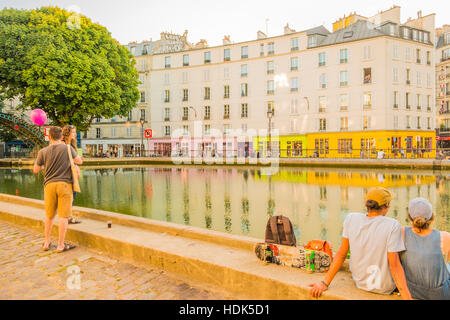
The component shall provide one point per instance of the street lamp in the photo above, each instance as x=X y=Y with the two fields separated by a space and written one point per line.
x=269 y=142
x=142 y=121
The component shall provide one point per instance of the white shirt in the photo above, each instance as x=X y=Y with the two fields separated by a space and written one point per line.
x=370 y=239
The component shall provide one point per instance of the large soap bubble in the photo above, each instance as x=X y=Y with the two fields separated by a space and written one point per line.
x=38 y=116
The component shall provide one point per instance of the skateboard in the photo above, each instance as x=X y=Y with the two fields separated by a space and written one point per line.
x=291 y=256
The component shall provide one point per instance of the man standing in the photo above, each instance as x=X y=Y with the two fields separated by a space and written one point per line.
x=58 y=193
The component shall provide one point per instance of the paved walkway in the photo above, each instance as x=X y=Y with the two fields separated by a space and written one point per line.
x=27 y=272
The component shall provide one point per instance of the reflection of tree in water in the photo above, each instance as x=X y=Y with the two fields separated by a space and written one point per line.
x=186 y=216
x=208 y=204
x=227 y=204
x=168 y=200
x=245 y=221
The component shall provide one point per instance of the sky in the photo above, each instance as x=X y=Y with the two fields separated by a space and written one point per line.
x=139 y=20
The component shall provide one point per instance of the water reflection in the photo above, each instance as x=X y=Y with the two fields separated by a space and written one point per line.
x=240 y=200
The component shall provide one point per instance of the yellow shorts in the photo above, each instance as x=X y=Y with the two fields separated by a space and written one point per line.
x=58 y=196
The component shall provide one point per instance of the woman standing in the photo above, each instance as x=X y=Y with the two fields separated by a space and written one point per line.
x=70 y=137
x=426 y=258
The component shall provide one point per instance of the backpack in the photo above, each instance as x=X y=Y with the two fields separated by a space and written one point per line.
x=320 y=245
x=279 y=230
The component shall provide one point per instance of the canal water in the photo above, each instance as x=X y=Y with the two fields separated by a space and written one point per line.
x=239 y=200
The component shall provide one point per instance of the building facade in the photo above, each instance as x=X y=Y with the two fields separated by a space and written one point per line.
x=443 y=86
x=365 y=87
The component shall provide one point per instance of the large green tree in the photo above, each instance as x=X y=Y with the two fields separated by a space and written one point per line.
x=66 y=65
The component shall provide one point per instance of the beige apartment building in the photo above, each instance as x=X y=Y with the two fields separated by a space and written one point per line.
x=443 y=85
x=365 y=86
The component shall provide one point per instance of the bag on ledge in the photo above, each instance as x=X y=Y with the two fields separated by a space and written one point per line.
x=279 y=230
x=320 y=245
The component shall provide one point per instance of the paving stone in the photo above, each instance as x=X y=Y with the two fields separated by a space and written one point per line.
x=28 y=273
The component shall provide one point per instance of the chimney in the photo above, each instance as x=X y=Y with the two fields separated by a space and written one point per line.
x=226 y=40
x=419 y=14
x=260 y=35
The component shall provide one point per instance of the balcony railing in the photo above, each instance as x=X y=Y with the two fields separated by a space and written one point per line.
x=408 y=81
x=226 y=116
x=166 y=118
x=207 y=117
x=270 y=71
x=270 y=91
x=184 y=118
x=408 y=107
x=395 y=106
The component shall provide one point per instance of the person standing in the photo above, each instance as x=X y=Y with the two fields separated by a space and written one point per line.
x=426 y=258
x=374 y=241
x=58 y=190
x=70 y=137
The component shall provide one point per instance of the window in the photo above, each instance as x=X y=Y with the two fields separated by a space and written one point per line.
x=166 y=131
x=322 y=124
x=185 y=60
x=271 y=48
x=408 y=76
x=323 y=81
x=366 y=122
x=429 y=123
x=392 y=30
x=408 y=106
x=428 y=103
x=244 y=89
x=345 y=146
x=130 y=116
x=395 y=51
x=166 y=114
x=207 y=114
x=321 y=145
x=129 y=132
x=294 y=64
x=98 y=133
x=226 y=129
x=312 y=41
x=226 y=91
x=261 y=49
x=226 y=55
x=418 y=122
x=322 y=59
x=367 y=103
x=395 y=75
x=270 y=87
x=207 y=93
x=343 y=54
x=271 y=107
x=344 y=123
x=367 y=54
x=185 y=94
x=167 y=62
x=415 y=35
x=343 y=102
x=207 y=57
x=244 y=110
x=426 y=37
x=395 y=106
x=166 y=95
x=142 y=97
x=244 y=52
x=142 y=79
x=207 y=129
x=185 y=113
x=244 y=70
x=226 y=111
x=185 y=130
x=419 y=107
x=428 y=58
x=294 y=44
x=270 y=67
x=322 y=104
x=406 y=33
x=294 y=84
x=143 y=114
x=418 y=55
x=343 y=77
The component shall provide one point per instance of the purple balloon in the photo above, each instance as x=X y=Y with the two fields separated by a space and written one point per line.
x=38 y=116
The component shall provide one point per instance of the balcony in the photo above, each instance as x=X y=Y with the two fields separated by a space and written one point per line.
x=408 y=81
x=367 y=107
x=344 y=60
x=321 y=64
x=343 y=108
x=294 y=68
x=226 y=59
x=294 y=48
x=185 y=118
x=226 y=116
x=395 y=106
x=244 y=74
x=408 y=107
x=207 y=117
x=269 y=53
x=244 y=56
x=226 y=96
x=343 y=83
x=294 y=89
x=419 y=108
x=418 y=60
x=270 y=91
x=322 y=110
x=207 y=98
x=429 y=109
x=166 y=118
x=185 y=99
x=185 y=64
x=270 y=71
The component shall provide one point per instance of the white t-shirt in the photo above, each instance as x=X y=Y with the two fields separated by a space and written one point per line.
x=370 y=239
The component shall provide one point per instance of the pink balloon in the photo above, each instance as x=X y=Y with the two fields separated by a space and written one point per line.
x=38 y=116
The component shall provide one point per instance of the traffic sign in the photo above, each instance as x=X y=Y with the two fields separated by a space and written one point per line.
x=148 y=133
x=46 y=133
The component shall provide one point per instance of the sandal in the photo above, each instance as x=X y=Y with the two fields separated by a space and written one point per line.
x=67 y=247
x=73 y=220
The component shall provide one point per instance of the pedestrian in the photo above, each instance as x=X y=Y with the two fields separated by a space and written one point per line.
x=426 y=258
x=375 y=241
x=58 y=190
x=70 y=137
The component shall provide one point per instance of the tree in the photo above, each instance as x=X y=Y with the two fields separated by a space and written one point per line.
x=66 y=65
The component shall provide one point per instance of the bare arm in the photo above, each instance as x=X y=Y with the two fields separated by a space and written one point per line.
x=319 y=287
x=398 y=275
x=78 y=160
x=36 y=168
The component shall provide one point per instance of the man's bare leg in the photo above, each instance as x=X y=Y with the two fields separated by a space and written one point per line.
x=62 y=233
x=47 y=231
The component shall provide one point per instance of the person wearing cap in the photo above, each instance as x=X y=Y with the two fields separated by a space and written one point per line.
x=375 y=241
x=426 y=258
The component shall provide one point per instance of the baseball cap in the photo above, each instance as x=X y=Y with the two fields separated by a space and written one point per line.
x=420 y=207
x=380 y=195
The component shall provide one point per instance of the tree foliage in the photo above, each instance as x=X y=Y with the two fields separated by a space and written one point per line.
x=66 y=65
